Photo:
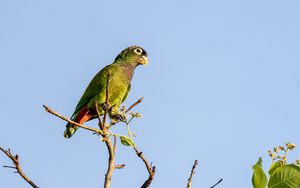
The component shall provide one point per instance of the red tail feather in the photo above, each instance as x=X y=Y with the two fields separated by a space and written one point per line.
x=83 y=116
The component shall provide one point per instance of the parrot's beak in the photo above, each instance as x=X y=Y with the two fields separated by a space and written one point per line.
x=144 y=60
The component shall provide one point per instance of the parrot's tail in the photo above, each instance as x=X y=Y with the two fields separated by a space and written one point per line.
x=80 y=118
x=70 y=130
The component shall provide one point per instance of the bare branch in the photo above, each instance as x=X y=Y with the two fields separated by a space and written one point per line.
x=15 y=160
x=190 y=180
x=217 y=183
x=151 y=170
x=49 y=110
x=150 y=178
x=106 y=139
x=134 y=104
x=111 y=161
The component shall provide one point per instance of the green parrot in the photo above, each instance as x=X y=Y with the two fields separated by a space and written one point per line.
x=121 y=72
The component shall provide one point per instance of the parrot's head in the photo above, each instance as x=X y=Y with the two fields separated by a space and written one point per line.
x=134 y=54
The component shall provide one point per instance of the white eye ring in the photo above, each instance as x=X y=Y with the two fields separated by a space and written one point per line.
x=138 y=51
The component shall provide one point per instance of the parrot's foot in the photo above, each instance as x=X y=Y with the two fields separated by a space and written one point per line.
x=118 y=117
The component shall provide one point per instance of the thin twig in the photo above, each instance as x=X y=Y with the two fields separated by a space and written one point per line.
x=190 y=180
x=217 y=183
x=101 y=126
x=15 y=160
x=49 y=110
x=134 y=104
x=106 y=99
x=120 y=166
x=151 y=170
x=9 y=167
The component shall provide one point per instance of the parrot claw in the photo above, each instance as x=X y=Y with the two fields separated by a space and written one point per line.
x=119 y=117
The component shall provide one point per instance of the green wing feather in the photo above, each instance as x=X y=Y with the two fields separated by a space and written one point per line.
x=126 y=94
x=93 y=89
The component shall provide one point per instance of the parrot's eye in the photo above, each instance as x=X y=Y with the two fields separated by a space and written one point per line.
x=138 y=51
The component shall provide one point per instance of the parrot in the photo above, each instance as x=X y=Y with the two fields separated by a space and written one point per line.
x=120 y=75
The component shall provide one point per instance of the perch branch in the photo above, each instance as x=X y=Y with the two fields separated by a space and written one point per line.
x=110 y=147
x=49 y=110
x=151 y=170
x=15 y=160
x=190 y=180
x=111 y=161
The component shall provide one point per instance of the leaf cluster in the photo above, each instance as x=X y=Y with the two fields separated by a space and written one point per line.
x=281 y=174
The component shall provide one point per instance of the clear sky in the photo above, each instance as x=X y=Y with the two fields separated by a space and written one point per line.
x=222 y=86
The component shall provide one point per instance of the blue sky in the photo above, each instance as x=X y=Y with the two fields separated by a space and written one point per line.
x=222 y=86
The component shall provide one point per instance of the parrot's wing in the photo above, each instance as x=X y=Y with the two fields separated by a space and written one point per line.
x=94 y=87
x=126 y=94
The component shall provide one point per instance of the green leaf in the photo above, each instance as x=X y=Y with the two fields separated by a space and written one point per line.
x=259 y=178
x=126 y=141
x=274 y=166
x=287 y=176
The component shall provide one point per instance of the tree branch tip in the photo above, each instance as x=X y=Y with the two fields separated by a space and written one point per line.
x=217 y=183
x=153 y=169
x=46 y=107
x=134 y=104
x=190 y=180
x=9 y=167
x=15 y=160
x=121 y=166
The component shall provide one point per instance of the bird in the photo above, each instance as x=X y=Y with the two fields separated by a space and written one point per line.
x=120 y=74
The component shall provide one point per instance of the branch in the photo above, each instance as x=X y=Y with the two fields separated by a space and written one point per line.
x=134 y=104
x=111 y=161
x=101 y=132
x=190 y=180
x=217 y=183
x=151 y=170
x=110 y=147
x=49 y=110
x=15 y=160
